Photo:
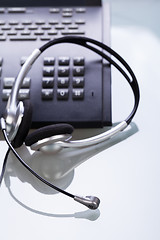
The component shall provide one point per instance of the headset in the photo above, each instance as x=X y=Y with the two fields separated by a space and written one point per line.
x=17 y=118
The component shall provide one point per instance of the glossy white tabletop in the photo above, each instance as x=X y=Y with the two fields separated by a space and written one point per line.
x=124 y=172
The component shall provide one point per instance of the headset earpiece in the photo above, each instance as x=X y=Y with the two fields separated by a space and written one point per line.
x=48 y=131
x=24 y=126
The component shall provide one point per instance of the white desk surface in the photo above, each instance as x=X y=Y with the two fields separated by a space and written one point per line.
x=124 y=172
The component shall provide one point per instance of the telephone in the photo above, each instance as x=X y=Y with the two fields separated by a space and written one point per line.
x=67 y=83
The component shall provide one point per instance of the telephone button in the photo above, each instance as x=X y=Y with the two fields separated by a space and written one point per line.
x=78 y=61
x=47 y=82
x=62 y=94
x=47 y=94
x=78 y=71
x=63 y=82
x=8 y=82
x=49 y=61
x=64 y=60
x=48 y=71
x=63 y=71
x=78 y=94
x=26 y=82
x=78 y=82
x=24 y=94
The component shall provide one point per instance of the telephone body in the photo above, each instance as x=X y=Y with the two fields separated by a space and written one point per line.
x=68 y=83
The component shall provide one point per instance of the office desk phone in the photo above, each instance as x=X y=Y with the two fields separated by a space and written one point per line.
x=67 y=83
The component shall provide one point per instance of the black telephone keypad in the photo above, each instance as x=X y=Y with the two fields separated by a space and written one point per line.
x=9 y=81
x=62 y=75
x=24 y=92
x=67 y=79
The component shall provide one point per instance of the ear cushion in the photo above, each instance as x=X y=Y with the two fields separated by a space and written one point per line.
x=47 y=132
x=24 y=126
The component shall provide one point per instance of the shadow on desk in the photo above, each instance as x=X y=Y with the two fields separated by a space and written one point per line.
x=58 y=168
